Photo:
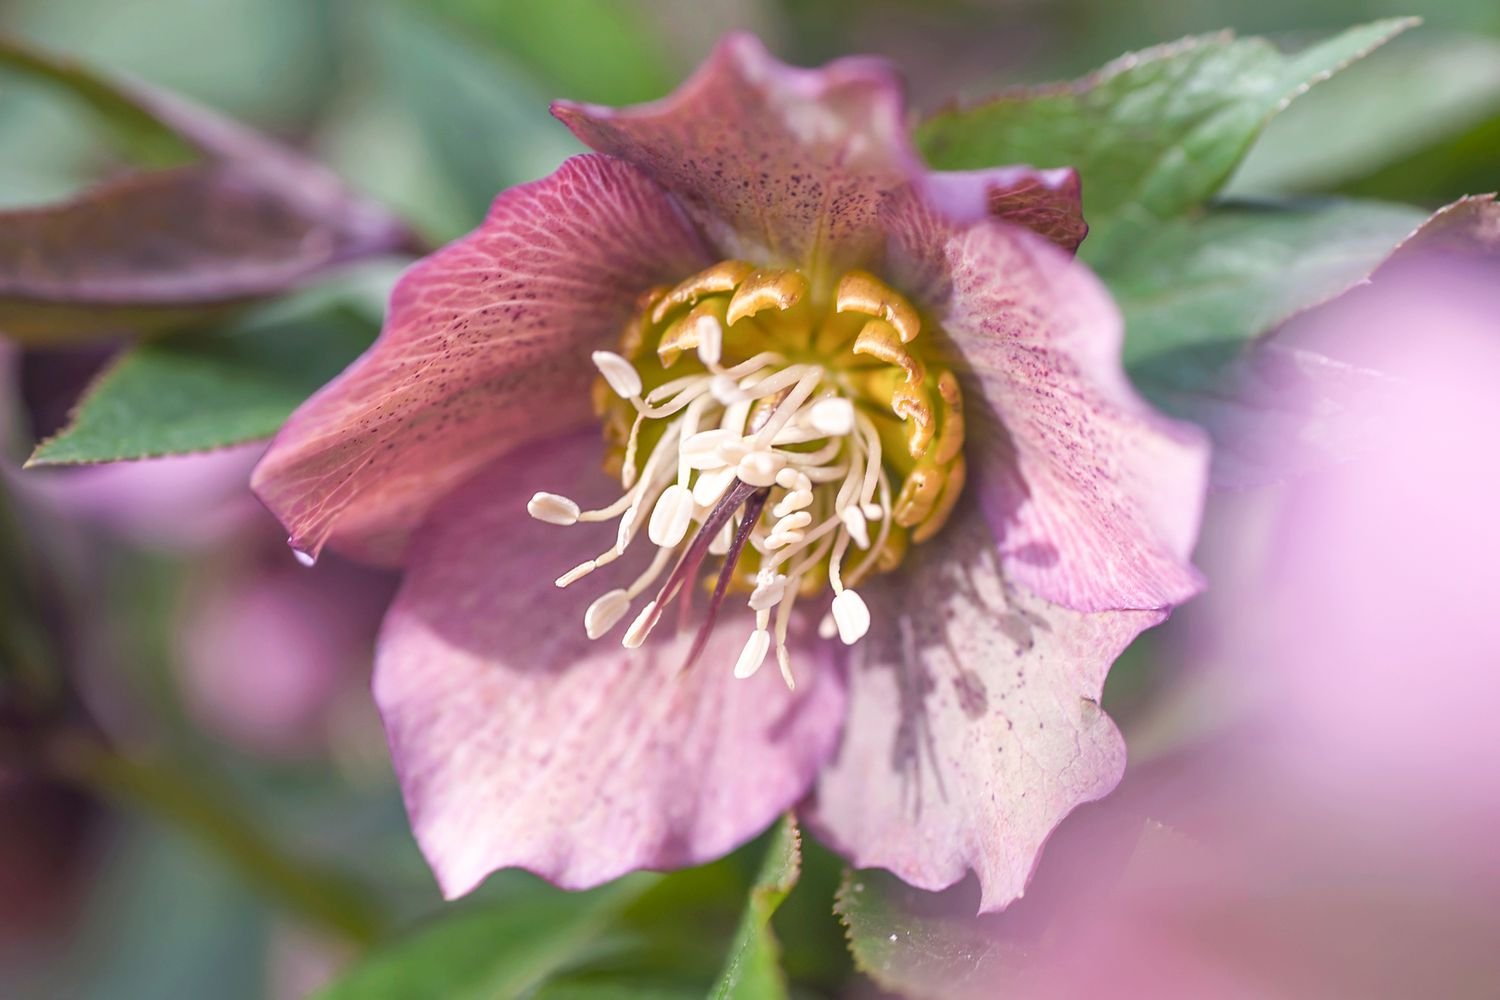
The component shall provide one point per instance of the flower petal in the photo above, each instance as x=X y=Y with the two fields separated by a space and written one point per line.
x=485 y=348
x=519 y=742
x=974 y=723
x=1093 y=496
x=1048 y=202
x=779 y=165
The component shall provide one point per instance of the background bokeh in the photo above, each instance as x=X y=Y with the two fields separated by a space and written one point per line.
x=186 y=628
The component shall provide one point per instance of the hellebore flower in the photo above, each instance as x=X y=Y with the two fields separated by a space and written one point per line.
x=844 y=382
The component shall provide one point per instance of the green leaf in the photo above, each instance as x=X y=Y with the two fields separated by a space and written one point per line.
x=591 y=50
x=139 y=130
x=489 y=948
x=924 y=944
x=1153 y=134
x=1214 y=281
x=486 y=123
x=1423 y=95
x=197 y=391
x=752 y=970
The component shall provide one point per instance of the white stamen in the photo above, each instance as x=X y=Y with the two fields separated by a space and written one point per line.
x=851 y=617
x=619 y=373
x=826 y=627
x=872 y=511
x=725 y=389
x=791 y=523
x=759 y=468
x=795 y=500
x=711 y=485
x=577 y=573
x=753 y=654
x=553 y=509
x=779 y=540
x=702 y=450
x=768 y=593
x=710 y=340
x=605 y=612
x=671 y=516
x=833 y=416
x=854 y=523
x=642 y=626
x=787 y=478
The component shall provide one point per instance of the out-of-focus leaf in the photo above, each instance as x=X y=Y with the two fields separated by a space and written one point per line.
x=158 y=250
x=924 y=944
x=1153 y=134
x=590 y=50
x=487 y=124
x=1467 y=163
x=752 y=970
x=1277 y=410
x=1424 y=93
x=197 y=391
x=481 y=949
x=252 y=220
x=142 y=133
x=1223 y=277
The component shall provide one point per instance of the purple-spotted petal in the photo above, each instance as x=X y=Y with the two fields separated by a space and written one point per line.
x=520 y=743
x=779 y=165
x=1093 y=497
x=974 y=723
x=1048 y=202
x=485 y=348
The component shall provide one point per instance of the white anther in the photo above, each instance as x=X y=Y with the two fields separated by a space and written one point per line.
x=553 y=509
x=720 y=545
x=642 y=626
x=791 y=523
x=759 y=468
x=801 y=483
x=703 y=450
x=833 y=416
x=710 y=340
x=753 y=654
x=854 y=523
x=711 y=485
x=768 y=593
x=826 y=627
x=780 y=540
x=605 y=612
x=577 y=573
x=795 y=500
x=627 y=527
x=725 y=389
x=850 y=616
x=619 y=373
x=787 y=478
x=671 y=516
x=872 y=511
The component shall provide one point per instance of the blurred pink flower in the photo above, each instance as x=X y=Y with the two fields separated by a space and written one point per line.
x=728 y=228
x=1335 y=833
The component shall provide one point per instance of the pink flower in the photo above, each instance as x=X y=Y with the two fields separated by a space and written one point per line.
x=820 y=361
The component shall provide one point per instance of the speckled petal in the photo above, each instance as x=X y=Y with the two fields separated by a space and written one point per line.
x=1093 y=496
x=1048 y=202
x=778 y=165
x=485 y=347
x=520 y=743
x=974 y=722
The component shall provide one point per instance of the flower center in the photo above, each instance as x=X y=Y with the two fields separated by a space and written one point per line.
x=801 y=446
